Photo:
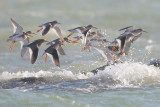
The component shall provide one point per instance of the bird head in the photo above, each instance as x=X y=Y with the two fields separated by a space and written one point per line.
x=29 y=32
x=67 y=40
x=144 y=31
x=141 y=30
x=91 y=26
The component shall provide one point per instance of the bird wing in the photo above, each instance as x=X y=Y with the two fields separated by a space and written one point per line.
x=127 y=47
x=101 y=52
x=54 y=56
x=127 y=28
x=77 y=29
x=16 y=27
x=46 y=29
x=24 y=49
x=106 y=53
x=61 y=51
x=58 y=33
x=85 y=36
x=99 y=33
x=33 y=53
x=136 y=37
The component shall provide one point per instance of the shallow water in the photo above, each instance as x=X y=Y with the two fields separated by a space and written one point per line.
x=132 y=83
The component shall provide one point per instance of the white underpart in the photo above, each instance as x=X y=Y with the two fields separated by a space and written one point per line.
x=85 y=38
x=22 y=43
x=43 y=27
x=57 y=31
x=17 y=37
x=30 y=52
x=23 y=49
x=17 y=29
x=101 y=52
x=78 y=31
x=119 y=42
x=50 y=57
x=81 y=35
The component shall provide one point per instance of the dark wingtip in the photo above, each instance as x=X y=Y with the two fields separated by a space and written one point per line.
x=32 y=62
x=125 y=28
x=58 y=65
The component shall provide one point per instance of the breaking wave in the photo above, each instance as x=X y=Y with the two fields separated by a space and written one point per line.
x=113 y=76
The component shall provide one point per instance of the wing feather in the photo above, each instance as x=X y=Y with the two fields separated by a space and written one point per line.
x=23 y=49
x=52 y=53
x=33 y=54
x=58 y=33
x=46 y=30
x=16 y=27
x=61 y=51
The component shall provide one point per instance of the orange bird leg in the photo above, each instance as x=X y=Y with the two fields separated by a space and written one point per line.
x=27 y=52
x=39 y=30
x=114 y=47
x=86 y=47
x=70 y=34
x=46 y=58
x=114 y=57
x=89 y=49
x=11 y=47
x=76 y=40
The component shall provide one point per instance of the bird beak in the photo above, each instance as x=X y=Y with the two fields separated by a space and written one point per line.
x=86 y=47
x=145 y=31
x=95 y=27
x=58 y=23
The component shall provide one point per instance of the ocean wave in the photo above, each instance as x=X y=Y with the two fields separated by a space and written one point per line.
x=113 y=76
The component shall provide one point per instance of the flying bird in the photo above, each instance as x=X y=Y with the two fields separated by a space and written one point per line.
x=33 y=49
x=19 y=35
x=56 y=45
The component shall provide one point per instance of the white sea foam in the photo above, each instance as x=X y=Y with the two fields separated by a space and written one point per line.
x=119 y=75
x=55 y=76
x=131 y=73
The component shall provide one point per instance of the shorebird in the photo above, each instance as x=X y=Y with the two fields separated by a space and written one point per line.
x=127 y=30
x=137 y=33
x=48 y=26
x=92 y=37
x=131 y=33
x=80 y=30
x=87 y=36
x=125 y=41
x=113 y=53
x=19 y=35
x=100 y=46
x=51 y=51
x=33 y=49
